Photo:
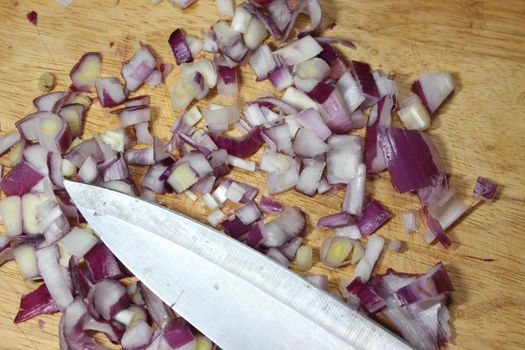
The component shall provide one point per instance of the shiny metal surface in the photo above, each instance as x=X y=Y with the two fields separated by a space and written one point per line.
x=238 y=297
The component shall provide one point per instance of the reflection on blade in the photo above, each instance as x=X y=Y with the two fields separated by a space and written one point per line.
x=236 y=296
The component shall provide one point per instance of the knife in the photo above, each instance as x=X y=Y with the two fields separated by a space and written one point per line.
x=236 y=296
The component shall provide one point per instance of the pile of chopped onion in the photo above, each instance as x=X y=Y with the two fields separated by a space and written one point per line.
x=307 y=144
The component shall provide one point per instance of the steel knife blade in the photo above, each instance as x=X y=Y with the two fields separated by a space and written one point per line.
x=236 y=296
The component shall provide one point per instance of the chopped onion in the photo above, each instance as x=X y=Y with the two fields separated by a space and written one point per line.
x=110 y=91
x=249 y=213
x=86 y=71
x=433 y=89
x=179 y=46
x=410 y=221
x=310 y=176
x=241 y=19
x=262 y=61
x=55 y=277
x=413 y=114
x=299 y=51
x=343 y=158
x=78 y=242
x=311 y=119
x=298 y=99
x=373 y=250
x=366 y=82
x=255 y=34
x=35 y=303
x=11 y=214
x=413 y=161
x=25 y=258
x=394 y=245
x=335 y=251
x=225 y=7
x=484 y=189
x=374 y=215
x=281 y=78
x=304 y=258
x=216 y=217
x=314 y=68
x=355 y=192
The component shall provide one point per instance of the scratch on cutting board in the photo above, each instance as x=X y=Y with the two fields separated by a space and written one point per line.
x=59 y=71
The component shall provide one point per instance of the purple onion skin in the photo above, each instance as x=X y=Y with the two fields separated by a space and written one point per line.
x=418 y=90
x=178 y=333
x=413 y=162
x=35 y=303
x=373 y=217
x=485 y=189
x=32 y=17
x=102 y=263
x=179 y=47
x=435 y=227
x=235 y=228
x=432 y=285
x=20 y=180
x=372 y=302
x=242 y=147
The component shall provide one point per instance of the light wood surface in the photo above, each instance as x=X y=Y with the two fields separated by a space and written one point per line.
x=479 y=131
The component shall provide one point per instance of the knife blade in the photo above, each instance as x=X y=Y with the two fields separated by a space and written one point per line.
x=233 y=294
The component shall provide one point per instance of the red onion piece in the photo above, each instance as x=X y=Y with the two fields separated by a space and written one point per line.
x=7 y=141
x=159 y=312
x=35 y=303
x=299 y=51
x=55 y=276
x=204 y=185
x=313 y=7
x=20 y=180
x=320 y=281
x=355 y=192
x=11 y=214
x=410 y=221
x=374 y=216
x=278 y=256
x=227 y=82
x=32 y=17
x=255 y=236
x=335 y=220
x=368 y=298
x=385 y=85
x=380 y=115
x=180 y=48
x=249 y=213
x=289 y=249
x=311 y=119
x=110 y=91
x=144 y=156
x=310 y=176
x=152 y=179
x=432 y=285
x=270 y=206
x=433 y=89
x=109 y=298
x=485 y=189
x=102 y=264
x=133 y=115
x=137 y=70
x=48 y=102
x=235 y=228
x=73 y=114
x=308 y=144
x=80 y=152
x=137 y=336
x=413 y=161
x=86 y=71
x=277 y=182
x=111 y=329
x=281 y=78
x=350 y=91
x=365 y=80
x=334 y=60
x=262 y=61
x=343 y=159
x=70 y=328
x=54 y=133
x=423 y=325
x=333 y=109
x=177 y=335
x=240 y=147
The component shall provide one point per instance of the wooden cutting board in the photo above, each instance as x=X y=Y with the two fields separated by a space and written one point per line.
x=479 y=131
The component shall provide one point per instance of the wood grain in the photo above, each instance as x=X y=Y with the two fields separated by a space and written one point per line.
x=479 y=131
